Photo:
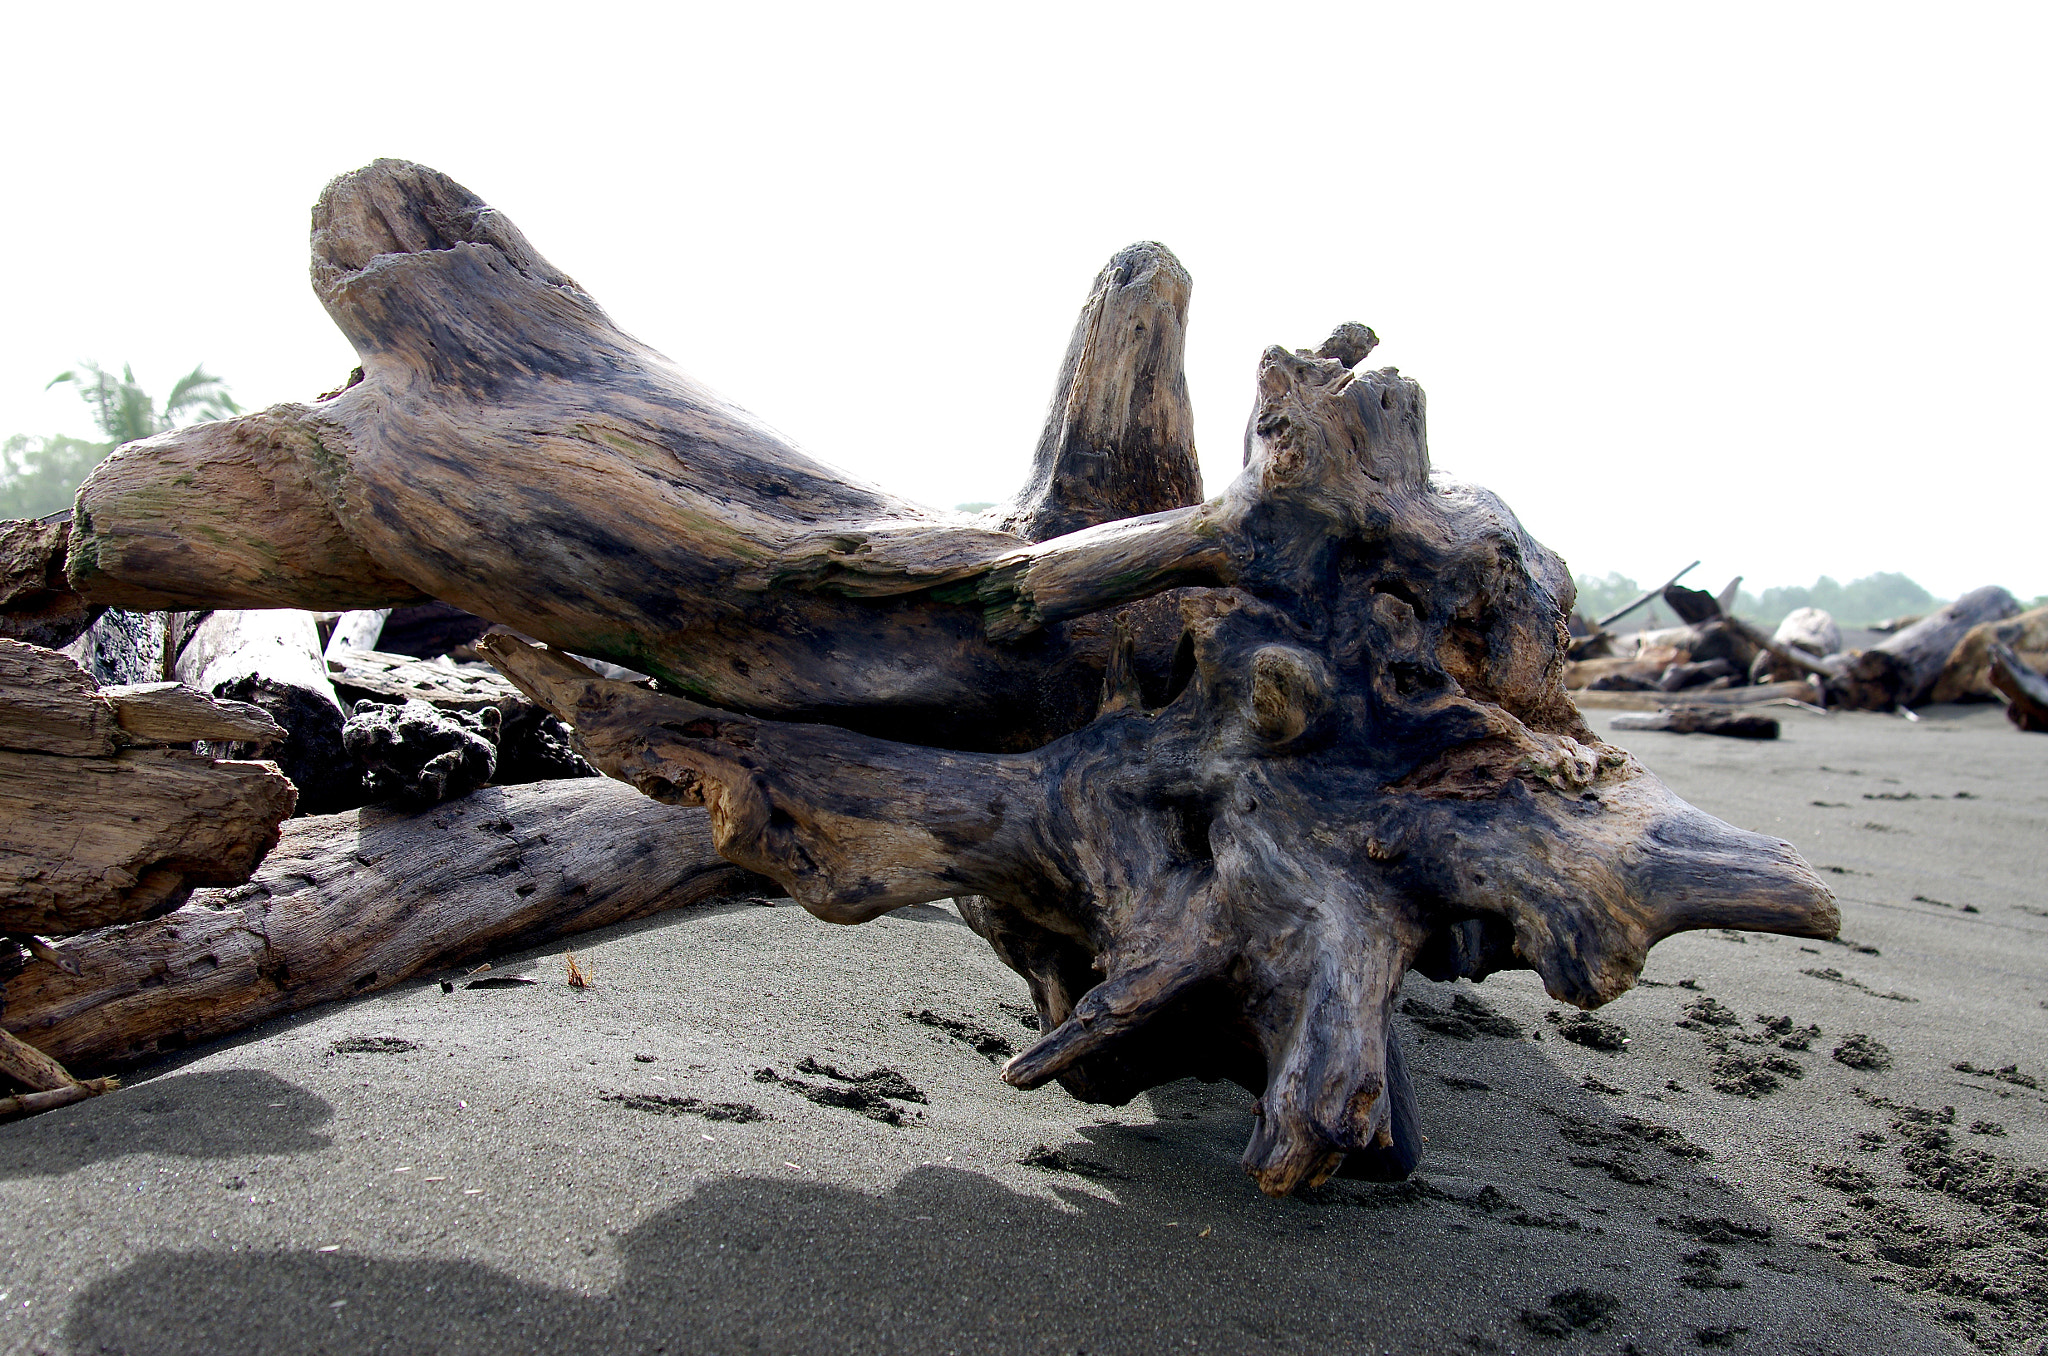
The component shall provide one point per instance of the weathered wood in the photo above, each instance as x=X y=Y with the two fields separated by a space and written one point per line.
x=172 y=713
x=349 y=904
x=272 y=659
x=357 y=630
x=1346 y=770
x=511 y=451
x=1966 y=677
x=1804 y=693
x=30 y=1067
x=1736 y=724
x=1121 y=430
x=223 y=515
x=49 y=705
x=29 y=1103
x=418 y=756
x=402 y=678
x=1237 y=765
x=1809 y=631
x=2026 y=691
x=85 y=842
x=1903 y=669
x=37 y=604
x=122 y=647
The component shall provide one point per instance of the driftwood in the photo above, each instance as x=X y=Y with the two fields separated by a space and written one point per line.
x=1902 y=670
x=531 y=745
x=37 y=604
x=1966 y=677
x=1210 y=776
x=2024 y=689
x=98 y=828
x=1806 y=694
x=272 y=657
x=1736 y=724
x=352 y=903
x=1810 y=631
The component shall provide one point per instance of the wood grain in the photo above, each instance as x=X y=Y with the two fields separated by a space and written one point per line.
x=349 y=904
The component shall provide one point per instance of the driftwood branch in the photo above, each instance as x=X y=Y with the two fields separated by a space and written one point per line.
x=352 y=903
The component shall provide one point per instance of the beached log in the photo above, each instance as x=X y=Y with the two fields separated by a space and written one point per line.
x=1736 y=724
x=96 y=830
x=1808 y=630
x=1966 y=677
x=1902 y=670
x=1236 y=766
x=122 y=647
x=352 y=903
x=272 y=657
x=2025 y=689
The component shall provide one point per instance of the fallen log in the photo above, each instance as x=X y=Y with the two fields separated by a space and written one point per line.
x=1236 y=765
x=2025 y=691
x=353 y=903
x=1966 y=677
x=1736 y=724
x=1804 y=693
x=1902 y=670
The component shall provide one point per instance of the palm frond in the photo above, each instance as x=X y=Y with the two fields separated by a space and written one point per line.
x=200 y=394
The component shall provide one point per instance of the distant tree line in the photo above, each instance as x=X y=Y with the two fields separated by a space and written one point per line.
x=39 y=476
x=1860 y=602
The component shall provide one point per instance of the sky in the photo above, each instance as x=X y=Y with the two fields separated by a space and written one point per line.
x=1759 y=284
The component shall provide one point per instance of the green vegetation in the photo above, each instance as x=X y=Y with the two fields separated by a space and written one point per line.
x=38 y=476
x=1860 y=602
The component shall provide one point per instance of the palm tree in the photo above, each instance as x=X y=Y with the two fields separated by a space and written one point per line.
x=125 y=412
x=39 y=476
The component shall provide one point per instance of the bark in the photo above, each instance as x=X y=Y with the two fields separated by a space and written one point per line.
x=352 y=903
x=95 y=830
x=1966 y=677
x=1211 y=776
x=1902 y=671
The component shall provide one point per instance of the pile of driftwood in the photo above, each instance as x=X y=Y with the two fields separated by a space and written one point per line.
x=1709 y=673
x=1211 y=775
x=152 y=862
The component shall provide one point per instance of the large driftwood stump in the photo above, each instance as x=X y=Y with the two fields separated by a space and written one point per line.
x=1211 y=776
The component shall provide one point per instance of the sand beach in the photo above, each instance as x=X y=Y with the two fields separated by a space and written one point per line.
x=757 y=1132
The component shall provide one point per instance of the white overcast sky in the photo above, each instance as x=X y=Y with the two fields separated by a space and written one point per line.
x=1762 y=284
